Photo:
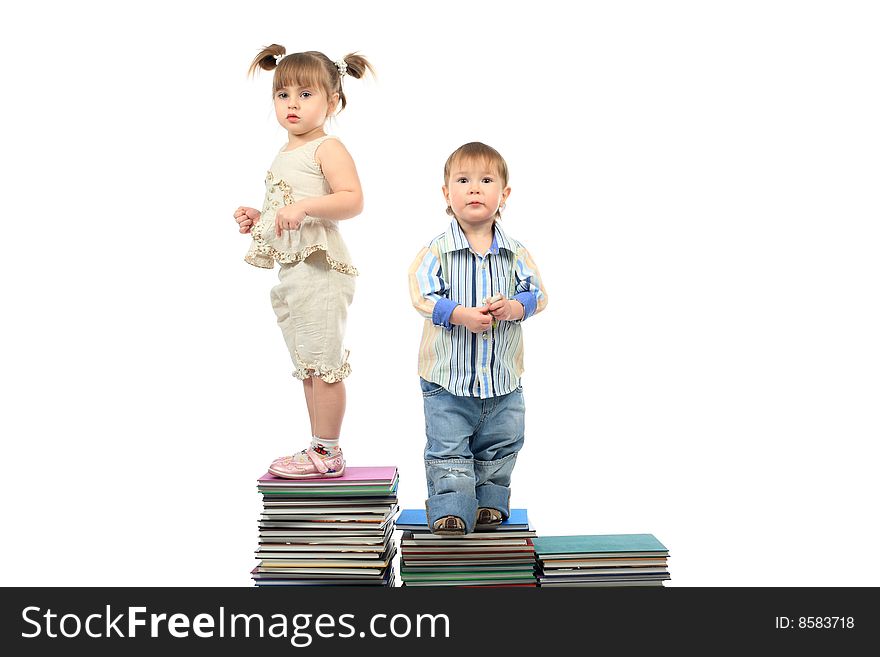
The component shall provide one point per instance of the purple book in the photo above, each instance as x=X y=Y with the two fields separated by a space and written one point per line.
x=353 y=476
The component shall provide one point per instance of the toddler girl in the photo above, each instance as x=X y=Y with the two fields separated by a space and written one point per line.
x=311 y=185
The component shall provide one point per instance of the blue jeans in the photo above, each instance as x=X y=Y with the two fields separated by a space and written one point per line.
x=470 y=453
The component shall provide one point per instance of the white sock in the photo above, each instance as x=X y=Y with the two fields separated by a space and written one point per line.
x=330 y=444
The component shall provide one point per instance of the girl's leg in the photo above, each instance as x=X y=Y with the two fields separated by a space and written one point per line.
x=326 y=404
x=328 y=400
x=308 y=390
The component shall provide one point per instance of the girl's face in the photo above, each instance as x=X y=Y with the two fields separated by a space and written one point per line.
x=474 y=191
x=302 y=111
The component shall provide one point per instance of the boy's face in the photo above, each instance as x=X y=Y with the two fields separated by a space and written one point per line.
x=474 y=191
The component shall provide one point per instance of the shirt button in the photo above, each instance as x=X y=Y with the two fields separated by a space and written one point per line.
x=485 y=336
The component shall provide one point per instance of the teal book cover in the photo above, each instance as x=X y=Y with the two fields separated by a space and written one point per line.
x=589 y=544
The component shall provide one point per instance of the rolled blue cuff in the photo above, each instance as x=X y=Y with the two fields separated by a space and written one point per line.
x=495 y=497
x=443 y=313
x=528 y=301
x=452 y=504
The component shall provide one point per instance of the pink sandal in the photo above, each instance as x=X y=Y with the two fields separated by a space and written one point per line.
x=308 y=464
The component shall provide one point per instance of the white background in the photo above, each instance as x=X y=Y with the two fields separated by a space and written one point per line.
x=698 y=182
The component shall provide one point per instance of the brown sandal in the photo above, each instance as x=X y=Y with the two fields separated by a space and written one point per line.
x=487 y=517
x=449 y=525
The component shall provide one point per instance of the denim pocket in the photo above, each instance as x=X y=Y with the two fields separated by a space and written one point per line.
x=429 y=388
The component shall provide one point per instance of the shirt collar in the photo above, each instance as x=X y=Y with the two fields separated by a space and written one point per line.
x=456 y=239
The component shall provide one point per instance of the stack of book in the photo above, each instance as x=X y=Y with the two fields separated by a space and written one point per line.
x=500 y=557
x=328 y=532
x=602 y=560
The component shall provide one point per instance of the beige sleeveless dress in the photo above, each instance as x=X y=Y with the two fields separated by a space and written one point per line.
x=316 y=280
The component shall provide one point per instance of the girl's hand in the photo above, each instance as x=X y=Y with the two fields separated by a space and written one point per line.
x=503 y=309
x=246 y=218
x=476 y=320
x=290 y=217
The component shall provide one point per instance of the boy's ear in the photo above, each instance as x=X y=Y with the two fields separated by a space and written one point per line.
x=448 y=202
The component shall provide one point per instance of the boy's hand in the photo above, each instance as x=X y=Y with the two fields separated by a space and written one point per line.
x=246 y=218
x=476 y=320
x=502 y=308
x=290 y=217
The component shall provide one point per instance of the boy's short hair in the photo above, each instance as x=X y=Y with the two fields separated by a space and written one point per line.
x=477 y=152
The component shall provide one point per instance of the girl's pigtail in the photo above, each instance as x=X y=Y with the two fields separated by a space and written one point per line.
x=268 y=58
x=357 y=66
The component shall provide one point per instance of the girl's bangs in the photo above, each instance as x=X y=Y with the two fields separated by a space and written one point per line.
x=309 y=74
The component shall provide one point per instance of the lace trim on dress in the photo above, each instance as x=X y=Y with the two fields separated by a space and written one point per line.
x=257 y=259
x=268 y=251
x=341 y=267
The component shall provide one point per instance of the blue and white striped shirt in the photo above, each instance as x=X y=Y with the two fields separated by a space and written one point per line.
x=448 y=272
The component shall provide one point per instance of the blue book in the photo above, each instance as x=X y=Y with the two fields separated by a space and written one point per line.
x=416 y=520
